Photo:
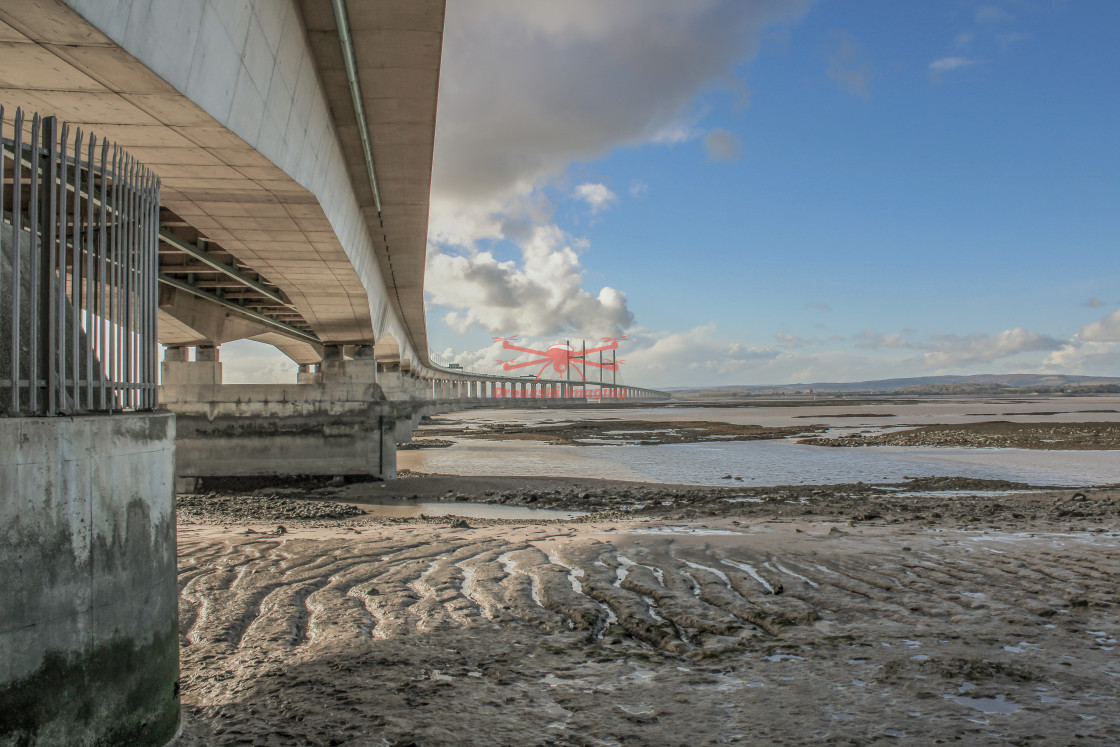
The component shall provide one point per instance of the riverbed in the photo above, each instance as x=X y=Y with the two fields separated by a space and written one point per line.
x=778 y=461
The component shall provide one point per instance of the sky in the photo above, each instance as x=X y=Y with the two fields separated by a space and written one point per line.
x=780 y=191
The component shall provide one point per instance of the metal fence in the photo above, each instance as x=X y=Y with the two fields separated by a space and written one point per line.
x=78 y=269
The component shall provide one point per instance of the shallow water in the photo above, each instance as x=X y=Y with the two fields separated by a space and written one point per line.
x=783 y=461
x=413 y=509
x=764 y=463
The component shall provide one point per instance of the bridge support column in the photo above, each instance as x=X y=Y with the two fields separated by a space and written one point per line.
x=204 y=370
x=89 y=607
x=335 y=427
x=307 y=373
x=392 y=381
x=336 y=370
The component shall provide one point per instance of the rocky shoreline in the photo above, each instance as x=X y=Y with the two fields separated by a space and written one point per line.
x=989 y=435
x=923 y=502
x=610 y=431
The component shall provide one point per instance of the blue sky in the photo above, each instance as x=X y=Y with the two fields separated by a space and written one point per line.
x=777 y=191
x=783 y=191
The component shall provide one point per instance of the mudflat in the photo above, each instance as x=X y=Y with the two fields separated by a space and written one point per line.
x=1000 y=434
x=934 y=612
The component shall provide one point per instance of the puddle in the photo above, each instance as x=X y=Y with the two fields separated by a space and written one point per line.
x=714 y=571
x=788 y=572
x=996 y=705
x=751 y=572
x=902 y=493
x=415 y=509
x=679 y=530
x=785 y=657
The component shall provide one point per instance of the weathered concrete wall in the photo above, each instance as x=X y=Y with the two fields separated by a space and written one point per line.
x=89 y=649
x=274 y=429
x=247 y=430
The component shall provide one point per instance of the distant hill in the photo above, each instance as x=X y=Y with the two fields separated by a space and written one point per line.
x=977 y=383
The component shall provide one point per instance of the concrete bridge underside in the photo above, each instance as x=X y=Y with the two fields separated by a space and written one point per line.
x=245 y=112
x=294 y=145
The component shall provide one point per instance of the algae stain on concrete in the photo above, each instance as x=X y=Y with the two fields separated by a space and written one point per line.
x=120 y=692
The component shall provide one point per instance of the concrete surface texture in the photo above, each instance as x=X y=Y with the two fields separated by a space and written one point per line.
x=343 y=428
x=88 y=614
x=235 y=105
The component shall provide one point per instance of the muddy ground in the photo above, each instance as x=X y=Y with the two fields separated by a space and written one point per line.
x=992 y=434
x=603 y=432
x=995 y=434
x=929 y=611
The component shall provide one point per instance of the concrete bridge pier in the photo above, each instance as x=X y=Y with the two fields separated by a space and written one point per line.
x=205 y=370
x=89 y=633
x=391 y=381
x=334 y=421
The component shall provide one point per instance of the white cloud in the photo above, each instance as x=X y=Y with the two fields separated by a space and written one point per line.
x=526 y=90
x=1093 y=303
x=848 y=64
x=945 y=64
x=951 y=351
x=540 y=295
x=251 y=362
x=638 y=189
x=819 y=306
x=1105 y=330
x=1090 y=358
x=697 y=355
x=702 y=357
x=598 y=197
x=988 y=32
x=722 y=145
x=869 y=339
x=1095 y=349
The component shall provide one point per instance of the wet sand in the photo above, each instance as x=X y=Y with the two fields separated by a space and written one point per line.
x=926 y=612
x=603 y=431
x=991 y=435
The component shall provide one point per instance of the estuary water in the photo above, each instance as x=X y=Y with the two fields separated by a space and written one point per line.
x=780 y=462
